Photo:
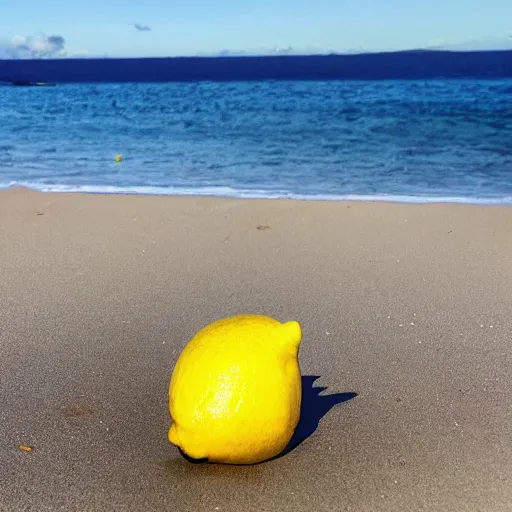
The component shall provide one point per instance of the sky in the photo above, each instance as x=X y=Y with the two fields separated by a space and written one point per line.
x=159 y=28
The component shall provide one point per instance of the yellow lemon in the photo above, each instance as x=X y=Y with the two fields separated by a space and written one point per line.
x=235 y=392
x=119 y=158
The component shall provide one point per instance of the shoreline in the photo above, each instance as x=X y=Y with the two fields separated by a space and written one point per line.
x=406 y=305
x=260 y=195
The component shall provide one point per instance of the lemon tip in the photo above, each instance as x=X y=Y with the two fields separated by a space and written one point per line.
x=173 y=436
x=294 y=332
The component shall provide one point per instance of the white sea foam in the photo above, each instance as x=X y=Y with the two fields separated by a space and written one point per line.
x=254 y=194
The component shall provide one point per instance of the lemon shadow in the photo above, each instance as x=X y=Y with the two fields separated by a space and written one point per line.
x=314 y=407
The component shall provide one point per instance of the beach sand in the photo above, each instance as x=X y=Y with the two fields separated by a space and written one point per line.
x=409 y=306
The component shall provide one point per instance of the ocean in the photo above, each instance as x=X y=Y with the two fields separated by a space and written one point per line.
x=410 y=141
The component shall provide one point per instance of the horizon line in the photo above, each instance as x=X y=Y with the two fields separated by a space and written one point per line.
x=264 y=55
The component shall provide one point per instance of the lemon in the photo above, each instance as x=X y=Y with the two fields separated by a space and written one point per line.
x=235 y=392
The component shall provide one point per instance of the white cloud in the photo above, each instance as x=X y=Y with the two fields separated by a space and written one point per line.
x=33 y=47
x=272 y=50
x=496 y=43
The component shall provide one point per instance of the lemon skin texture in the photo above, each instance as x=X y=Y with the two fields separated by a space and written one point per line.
x=235 y=392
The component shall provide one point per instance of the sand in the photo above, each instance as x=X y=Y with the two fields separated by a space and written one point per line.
x=407 y=306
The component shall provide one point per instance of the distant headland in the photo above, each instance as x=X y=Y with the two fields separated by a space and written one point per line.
x=404 y=65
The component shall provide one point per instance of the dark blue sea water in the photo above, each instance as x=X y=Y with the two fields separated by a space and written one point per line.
x=391 y=140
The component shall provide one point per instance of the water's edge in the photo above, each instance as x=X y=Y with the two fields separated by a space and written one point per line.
x=225 y=192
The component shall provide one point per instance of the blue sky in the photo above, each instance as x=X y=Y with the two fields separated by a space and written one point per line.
x=191 y=27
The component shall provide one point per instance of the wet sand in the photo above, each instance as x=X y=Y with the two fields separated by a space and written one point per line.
x=407 y=306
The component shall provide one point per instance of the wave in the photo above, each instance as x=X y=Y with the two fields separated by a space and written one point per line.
x=229 y=192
